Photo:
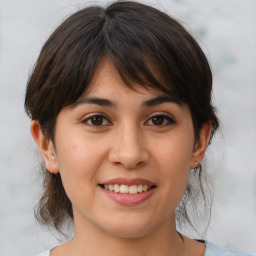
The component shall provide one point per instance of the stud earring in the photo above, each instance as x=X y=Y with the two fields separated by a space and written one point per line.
x=196 y=166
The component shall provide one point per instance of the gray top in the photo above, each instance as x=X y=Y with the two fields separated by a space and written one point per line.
x=211 y=250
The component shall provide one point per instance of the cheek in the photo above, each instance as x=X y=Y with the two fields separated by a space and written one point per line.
x=173 y=163
x=79 y=160
x=76 y=152
x=174 y=155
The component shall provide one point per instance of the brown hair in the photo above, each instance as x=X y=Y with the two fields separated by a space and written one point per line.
x=145 y=46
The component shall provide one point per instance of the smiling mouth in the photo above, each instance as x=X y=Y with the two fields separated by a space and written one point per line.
x=125 y=189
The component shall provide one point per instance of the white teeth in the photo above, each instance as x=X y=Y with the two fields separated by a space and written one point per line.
x=124 y=189
x=116 y=188
x=133 y=189
x=140 y=188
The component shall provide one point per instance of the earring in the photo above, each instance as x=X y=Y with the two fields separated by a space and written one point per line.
x=197 y=166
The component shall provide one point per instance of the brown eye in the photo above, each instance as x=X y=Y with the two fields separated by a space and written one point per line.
x=97 y=120
x=158 y=120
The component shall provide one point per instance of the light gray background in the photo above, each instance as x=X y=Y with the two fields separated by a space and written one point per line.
x=227 y=32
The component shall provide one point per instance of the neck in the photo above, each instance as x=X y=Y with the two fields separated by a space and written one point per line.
x=91 y=240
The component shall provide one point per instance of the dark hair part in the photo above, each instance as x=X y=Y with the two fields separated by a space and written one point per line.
x=145 y=45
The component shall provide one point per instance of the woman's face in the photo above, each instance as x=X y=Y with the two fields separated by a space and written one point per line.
x=114 y=138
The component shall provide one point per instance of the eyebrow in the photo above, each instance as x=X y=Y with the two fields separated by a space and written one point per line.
x=160 y=100
x=97 y=101
x=108 y=103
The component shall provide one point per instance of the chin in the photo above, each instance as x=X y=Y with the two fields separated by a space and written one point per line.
x=130 y=228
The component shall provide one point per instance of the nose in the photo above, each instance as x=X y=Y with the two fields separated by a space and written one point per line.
x=128 y=149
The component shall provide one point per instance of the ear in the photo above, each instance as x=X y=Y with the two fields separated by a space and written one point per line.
x=201 y=144
x=45 y=146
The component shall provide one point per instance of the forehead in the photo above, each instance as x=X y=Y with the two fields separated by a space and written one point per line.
x=104 y=79
x=107 y=81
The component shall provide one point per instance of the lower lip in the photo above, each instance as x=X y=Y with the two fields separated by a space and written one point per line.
x=129 y=199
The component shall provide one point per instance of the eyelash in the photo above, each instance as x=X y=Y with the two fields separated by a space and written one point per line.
x=167 y=120
x=89 y=119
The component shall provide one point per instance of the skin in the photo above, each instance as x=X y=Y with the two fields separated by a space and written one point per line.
x=126 y=142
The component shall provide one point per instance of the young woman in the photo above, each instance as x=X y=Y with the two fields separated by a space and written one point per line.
x=120 y=102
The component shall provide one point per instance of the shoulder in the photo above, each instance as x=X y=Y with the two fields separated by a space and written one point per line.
x=47 y=253
x=214 y=250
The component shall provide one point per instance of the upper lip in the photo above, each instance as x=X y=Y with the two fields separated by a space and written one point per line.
x=128 y=182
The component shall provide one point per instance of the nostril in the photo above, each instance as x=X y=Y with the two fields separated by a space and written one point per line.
x=140 y=163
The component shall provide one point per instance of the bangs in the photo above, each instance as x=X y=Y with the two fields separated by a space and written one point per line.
x=134 y=49
x=159 y=55
x=139 y=55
